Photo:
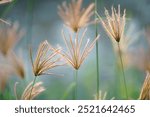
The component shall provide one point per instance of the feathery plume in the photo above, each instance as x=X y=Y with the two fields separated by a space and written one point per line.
x=45 y=59
x=114 y=24
x=145 y=92
x=75 y=54
x=75 y=17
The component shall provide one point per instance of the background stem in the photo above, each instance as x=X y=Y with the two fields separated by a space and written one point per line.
x=97 y=56
x=122 y=67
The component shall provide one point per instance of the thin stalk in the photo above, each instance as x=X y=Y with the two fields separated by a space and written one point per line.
x=97 y=56
x=30 y=18
x=33 y=86
x=76 y=84
x=122 y=68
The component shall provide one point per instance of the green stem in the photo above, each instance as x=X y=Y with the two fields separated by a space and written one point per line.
x=76 y=84
x=122 y=66
x=32 y=86
x=30 y=18
x=97 y=56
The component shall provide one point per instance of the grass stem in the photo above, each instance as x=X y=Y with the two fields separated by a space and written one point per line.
x=122 y=68
x=97 y=56
x=76 y=84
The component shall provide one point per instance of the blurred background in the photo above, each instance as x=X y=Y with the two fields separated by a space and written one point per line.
x=40 y=20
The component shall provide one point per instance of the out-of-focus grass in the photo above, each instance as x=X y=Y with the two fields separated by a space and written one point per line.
x=61 y=88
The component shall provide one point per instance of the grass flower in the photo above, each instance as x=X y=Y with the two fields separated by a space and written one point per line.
x=145 y=91
x=76 y=54
x=45 y=60
x=9 y=36
x=75 y=17
x=114 y=26
x=36 y=90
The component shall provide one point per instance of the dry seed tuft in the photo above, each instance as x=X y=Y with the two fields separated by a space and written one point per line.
x=75 y=17
x=75 y=55
x=45 y=59
x=114 y=24
x=37 y=90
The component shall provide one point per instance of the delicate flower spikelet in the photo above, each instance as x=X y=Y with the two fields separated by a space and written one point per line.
x=145 y=92
x=75 y=17
x=45 y=59
x=76 y=55
x=37 y=90
x=102 y=96
x=9 y=36
x=114 y=24
x=5 y=1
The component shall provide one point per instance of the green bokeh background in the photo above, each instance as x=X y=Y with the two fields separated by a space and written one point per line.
x=41 y=21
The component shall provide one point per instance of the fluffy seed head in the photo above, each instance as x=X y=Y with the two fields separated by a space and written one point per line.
x=76 y=54
x=75 y=17
x=45 y=59
x=114 y=24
